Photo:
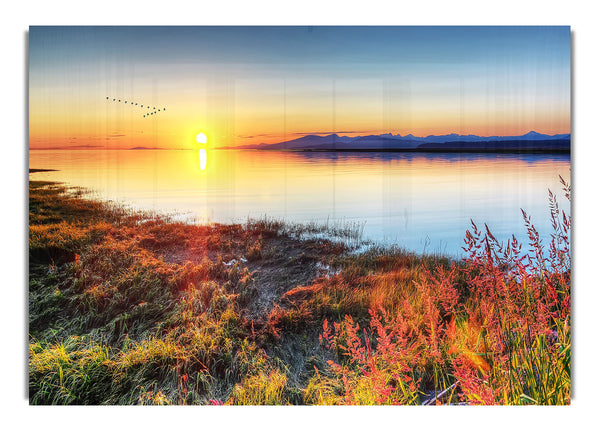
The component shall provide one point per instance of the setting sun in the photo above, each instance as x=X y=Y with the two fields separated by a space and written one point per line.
x=201 y=138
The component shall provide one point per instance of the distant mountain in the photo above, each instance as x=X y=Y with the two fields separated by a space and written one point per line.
x=531 y=141
x=70 y=147
x=311 y=141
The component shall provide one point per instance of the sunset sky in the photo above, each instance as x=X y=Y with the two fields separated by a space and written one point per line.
x=248 y=85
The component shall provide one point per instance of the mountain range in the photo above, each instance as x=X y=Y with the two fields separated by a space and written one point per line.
x=530 y=142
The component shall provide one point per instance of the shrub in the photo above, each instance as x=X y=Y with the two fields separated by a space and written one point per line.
x=494 y=329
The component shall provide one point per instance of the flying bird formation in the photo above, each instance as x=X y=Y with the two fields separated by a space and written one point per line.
x=148 y=110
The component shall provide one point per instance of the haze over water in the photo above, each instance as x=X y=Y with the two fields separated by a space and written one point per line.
x=423 y=202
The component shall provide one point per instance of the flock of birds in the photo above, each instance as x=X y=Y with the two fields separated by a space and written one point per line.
x=150 y=110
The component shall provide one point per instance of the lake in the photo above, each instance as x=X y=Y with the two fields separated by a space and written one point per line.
x=421 y=201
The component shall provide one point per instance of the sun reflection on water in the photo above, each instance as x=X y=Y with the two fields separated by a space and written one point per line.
x=202 y=158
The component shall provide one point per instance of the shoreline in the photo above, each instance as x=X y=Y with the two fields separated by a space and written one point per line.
x=450 y=151
x=133 y=308
x=406 y=150
x=33 y=171
x=330 y=150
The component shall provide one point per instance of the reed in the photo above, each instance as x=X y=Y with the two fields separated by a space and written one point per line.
x=492 y=329
x=135 y=308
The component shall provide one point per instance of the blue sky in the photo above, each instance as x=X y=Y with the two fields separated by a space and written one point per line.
x=236 y=82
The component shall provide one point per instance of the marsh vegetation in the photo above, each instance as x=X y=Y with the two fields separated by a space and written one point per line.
x=136 y=308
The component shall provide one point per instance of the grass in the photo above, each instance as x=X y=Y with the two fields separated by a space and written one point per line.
x=134 y=308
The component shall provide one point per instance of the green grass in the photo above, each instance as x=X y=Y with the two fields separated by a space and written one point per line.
x=134 y=308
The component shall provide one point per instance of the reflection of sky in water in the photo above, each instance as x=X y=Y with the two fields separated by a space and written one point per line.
x=420 y=201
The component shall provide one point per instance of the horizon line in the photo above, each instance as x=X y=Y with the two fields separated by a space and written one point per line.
x=85 y=147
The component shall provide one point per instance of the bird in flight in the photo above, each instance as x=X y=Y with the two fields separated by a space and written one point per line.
x=151 y=111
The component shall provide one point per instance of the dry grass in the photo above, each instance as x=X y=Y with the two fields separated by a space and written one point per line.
x=132 y=308
x=493 y=329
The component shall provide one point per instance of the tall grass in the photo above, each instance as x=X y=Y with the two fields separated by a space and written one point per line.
x=494 y=329
x=346 y=232
x=132 y=308
x=112 y=321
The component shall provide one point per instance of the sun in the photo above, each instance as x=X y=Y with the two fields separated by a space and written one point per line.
x=201 y=138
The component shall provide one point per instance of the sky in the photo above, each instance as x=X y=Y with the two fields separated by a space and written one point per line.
x=251 y=85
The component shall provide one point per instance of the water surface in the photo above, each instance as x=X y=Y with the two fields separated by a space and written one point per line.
x=423 y=202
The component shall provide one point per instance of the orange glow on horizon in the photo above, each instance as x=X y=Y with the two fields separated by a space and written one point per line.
x=74 y=124
x=131 y=139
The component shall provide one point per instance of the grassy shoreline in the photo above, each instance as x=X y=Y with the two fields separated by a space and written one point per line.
x=131 y=308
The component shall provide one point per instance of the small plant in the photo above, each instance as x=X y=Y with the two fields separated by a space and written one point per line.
x=374 y=371
x=132 y=308
x=494 y=329
x=262 y=388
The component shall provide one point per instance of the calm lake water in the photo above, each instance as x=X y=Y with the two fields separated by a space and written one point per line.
x=423 y=202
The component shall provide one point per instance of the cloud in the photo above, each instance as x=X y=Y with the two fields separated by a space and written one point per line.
x=257 y=136
x=334 y=131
